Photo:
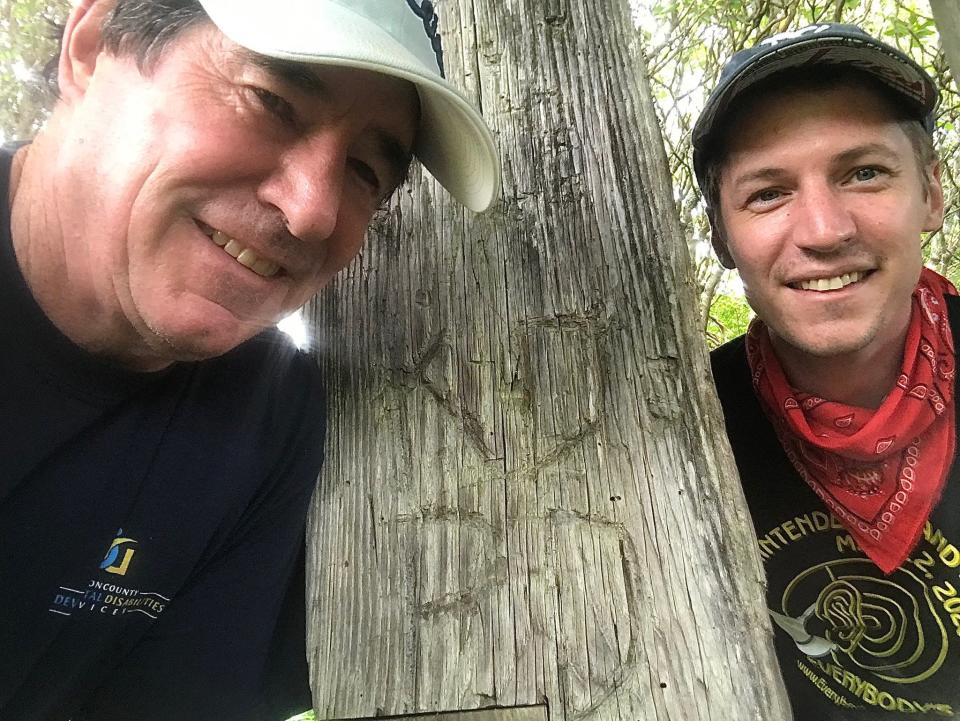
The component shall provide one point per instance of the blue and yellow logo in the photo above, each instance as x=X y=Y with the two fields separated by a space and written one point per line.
x=118 y=546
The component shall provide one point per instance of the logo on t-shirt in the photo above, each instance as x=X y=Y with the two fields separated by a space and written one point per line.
x=118 y=555
x=100 y=596
x=864 y=639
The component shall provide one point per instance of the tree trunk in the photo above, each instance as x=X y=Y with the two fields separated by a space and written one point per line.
x=528 y=496
x=946 y=14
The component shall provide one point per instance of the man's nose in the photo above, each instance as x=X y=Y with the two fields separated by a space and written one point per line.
x=826 y=222
x=307 y=187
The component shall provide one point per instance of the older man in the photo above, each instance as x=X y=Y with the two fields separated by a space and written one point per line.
x=816 y=159
x=208 y=167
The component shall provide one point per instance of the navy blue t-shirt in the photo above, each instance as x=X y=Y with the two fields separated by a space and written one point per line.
x=151 y=525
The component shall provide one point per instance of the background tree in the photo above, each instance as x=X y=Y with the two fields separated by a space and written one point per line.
x=26 y=46
x=947 y=15
x=528 y=497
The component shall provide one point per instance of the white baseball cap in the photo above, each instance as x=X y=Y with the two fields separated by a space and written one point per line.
x=393 y=37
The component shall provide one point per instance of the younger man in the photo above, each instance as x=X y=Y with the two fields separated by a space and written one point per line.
x=815 y=156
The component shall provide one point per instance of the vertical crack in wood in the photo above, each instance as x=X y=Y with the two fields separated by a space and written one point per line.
x=624 y=676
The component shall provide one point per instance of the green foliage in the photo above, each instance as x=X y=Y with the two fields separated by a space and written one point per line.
x=308 y=716
x=728 y=318
x=26 y=46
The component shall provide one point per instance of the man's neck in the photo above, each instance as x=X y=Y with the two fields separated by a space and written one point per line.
x=861 y=379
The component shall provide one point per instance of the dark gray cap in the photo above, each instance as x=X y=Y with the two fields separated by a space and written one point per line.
x=823 y=44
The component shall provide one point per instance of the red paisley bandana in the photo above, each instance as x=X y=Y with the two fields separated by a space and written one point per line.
x=880 y=471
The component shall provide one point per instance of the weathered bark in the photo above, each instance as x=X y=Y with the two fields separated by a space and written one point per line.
x=709 y=293
x=528 y=495
x=946 y=14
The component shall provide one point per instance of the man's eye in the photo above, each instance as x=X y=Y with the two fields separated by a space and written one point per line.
x=367 y=174
x=767 y=195
x=864 y=174
x=275 y=105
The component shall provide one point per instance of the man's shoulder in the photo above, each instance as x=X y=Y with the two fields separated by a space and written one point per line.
x=731 y=373
x=747 y=425
x=729 y=353
x=267 y=376
x=269 y=358
x=953 y=310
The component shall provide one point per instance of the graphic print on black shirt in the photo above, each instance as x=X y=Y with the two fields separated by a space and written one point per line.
x=861 y=639
x=853 y=644
x=111 y=597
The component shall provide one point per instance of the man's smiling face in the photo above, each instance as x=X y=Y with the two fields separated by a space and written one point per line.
x=218 y=191
x=822 y=202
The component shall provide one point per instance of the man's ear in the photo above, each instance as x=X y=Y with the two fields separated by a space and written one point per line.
x=81 y=46
x=934 y=200
x=720 y=244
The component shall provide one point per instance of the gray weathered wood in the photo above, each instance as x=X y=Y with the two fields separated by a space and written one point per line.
x=528 y=495
x=515 y=713
x=946 y=13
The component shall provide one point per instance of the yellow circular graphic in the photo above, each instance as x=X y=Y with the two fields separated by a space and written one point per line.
x=847 y=609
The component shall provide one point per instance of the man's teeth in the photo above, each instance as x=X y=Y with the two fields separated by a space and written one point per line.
x=245 y=256
x=835 y=283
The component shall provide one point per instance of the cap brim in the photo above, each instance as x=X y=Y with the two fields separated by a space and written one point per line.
x=453 y=141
